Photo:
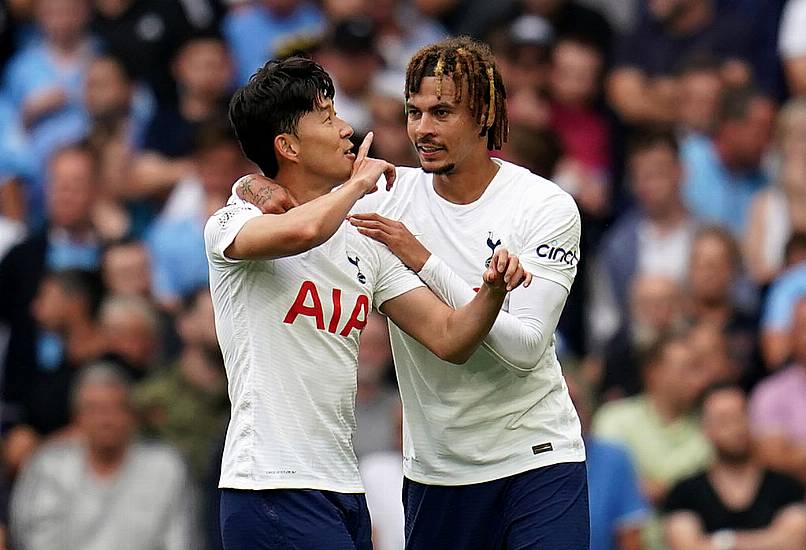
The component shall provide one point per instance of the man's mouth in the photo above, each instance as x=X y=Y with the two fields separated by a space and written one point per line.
x=428 y=150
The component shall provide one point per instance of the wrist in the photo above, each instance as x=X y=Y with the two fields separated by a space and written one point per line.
x=493 y=290
x=418 y=263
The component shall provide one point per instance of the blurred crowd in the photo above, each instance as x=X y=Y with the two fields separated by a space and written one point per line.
x=679 y=126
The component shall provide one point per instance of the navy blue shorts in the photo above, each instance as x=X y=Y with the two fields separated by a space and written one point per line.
x=545 y=509
x=294 y=519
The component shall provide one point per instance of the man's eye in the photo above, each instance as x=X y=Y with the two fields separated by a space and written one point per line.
x=441 y=112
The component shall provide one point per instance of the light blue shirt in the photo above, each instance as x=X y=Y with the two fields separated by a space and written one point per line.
x=614 y=493
x=179 y=262
x=254 y=33
x=784 y=294
x=711 y=192
x=32 y=71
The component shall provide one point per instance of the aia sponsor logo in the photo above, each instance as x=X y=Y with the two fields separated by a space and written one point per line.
x=308 y=303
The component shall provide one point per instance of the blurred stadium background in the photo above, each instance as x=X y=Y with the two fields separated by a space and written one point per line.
x=678 y=126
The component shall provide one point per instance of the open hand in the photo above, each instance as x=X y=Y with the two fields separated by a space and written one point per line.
x=506 y=272
x=395 y=236
x=264 y=193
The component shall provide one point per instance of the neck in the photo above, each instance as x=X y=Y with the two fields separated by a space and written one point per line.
x=301 y=186
x=667 y=410
x=726 y=156
x=693 y=19
x=67 y=47
x=735 y=469
x=465 y=185
x=106 y=462
x=713 y=311
x=669 y=218
x=197 y=106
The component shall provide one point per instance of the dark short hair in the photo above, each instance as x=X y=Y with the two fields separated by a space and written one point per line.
x=272 y=102
x=213 y=133
x=736 y=102
x=82 y=284
x=650 y=137
x=796 y=243
x=718 y=387
x=726 y=238
x=655 y=352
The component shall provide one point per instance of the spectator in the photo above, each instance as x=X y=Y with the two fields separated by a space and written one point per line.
x=176 y=239
x=658 y=426
x=522 y=50
x=723 y=173
x=103 y=489
x=145 y=35
x=700 y=87
x=349 y=44
x=391 y=142
x=126 y=269
x=574 y=86
x=792 y=47
x=464 y=17
x=735 y=503
x=115 y=131
x=538 y=150
x=713 y=278
x=655 y=309
x=204 y=75
x=617 y=508
x=784 y=292
x=569 y=18
x=402 y=30
x=778 y=407
x=132 y=329
x=711 y=348
x=44 y=83
x=375 y=399
x=70 y=241
x=186 y=404
x=65 y=309
x=642 y=87
x=256 y=30
x=779 y=210
x=655 y=236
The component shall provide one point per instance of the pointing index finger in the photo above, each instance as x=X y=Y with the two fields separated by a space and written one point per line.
x=363 y=150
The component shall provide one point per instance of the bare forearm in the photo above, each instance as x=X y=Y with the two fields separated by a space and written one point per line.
x=467 y=326
x=299 y=229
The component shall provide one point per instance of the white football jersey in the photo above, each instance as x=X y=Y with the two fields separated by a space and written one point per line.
x=289 y=331
x=479 y=421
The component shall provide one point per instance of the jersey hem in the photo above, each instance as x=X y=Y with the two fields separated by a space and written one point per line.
x=559 y=458
x=251 y=485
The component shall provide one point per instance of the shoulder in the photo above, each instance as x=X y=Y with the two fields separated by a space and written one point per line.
x=537 y=196
x=783 y=485
x=57 y=455
x=223 y=217
x=241 y=17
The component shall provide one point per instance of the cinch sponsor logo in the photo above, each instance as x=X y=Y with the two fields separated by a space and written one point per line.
x=558 y=254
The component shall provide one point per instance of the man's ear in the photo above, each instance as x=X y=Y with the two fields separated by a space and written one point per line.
x=287 y=147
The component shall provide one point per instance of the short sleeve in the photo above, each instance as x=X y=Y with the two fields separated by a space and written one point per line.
x=785 y=489
x=223 y=227
x=680 y=498
x=631 y=506
x=781 y=299
x=791 y=38
x=392 y=277
x=550 y=249
x=766 y=414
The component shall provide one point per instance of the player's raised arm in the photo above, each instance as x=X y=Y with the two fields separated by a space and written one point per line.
x=453 y=335
x=311 y=224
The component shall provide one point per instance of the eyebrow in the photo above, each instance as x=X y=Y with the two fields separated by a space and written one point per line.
x=440 y=105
